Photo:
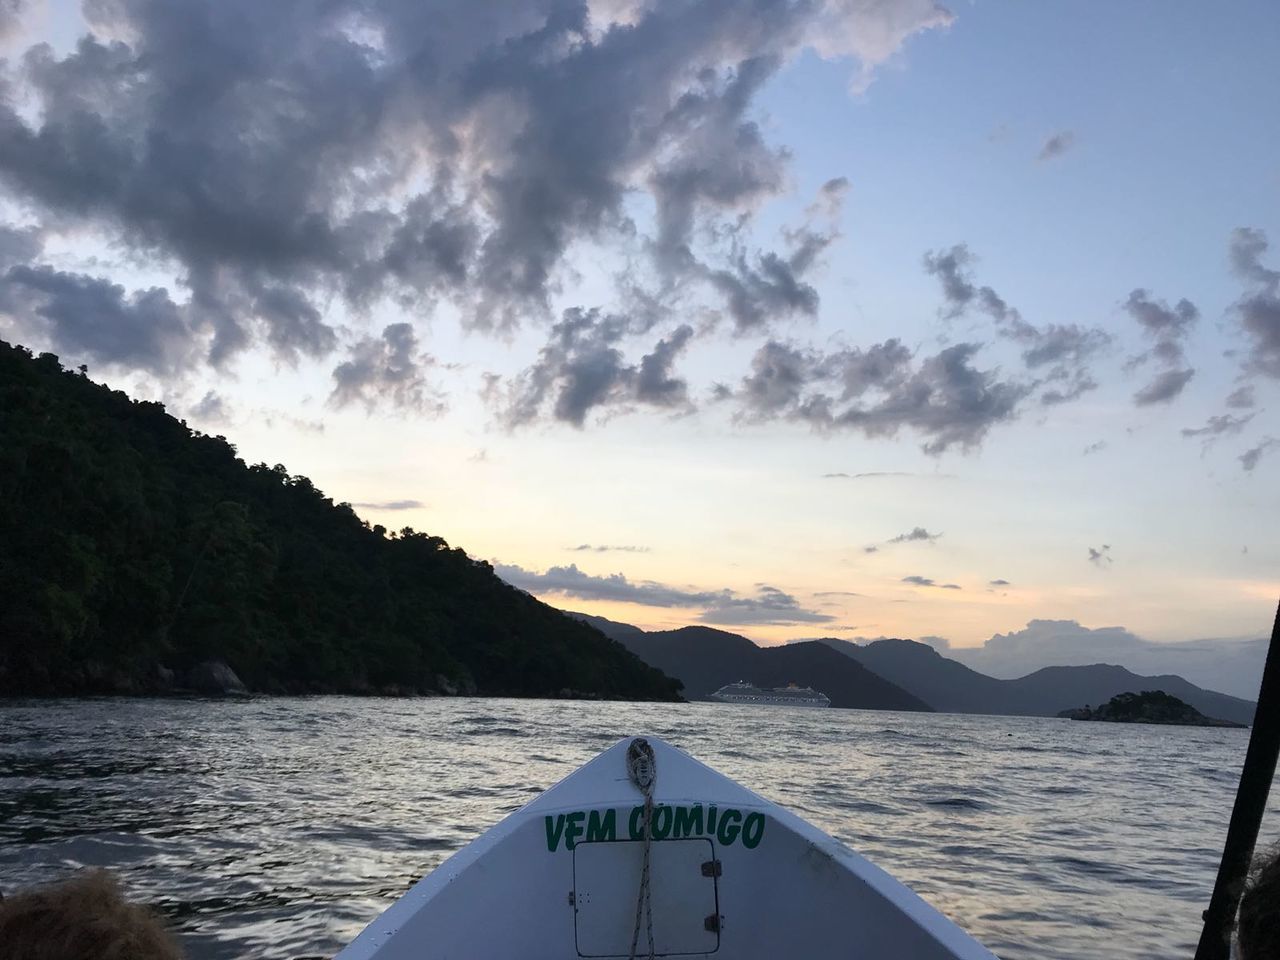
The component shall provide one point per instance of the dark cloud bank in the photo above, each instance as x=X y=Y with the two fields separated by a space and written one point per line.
x=294 y=164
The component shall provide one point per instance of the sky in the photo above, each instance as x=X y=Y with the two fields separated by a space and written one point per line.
x=796 y=318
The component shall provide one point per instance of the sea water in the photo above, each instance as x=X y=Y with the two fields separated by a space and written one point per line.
x=277 y=828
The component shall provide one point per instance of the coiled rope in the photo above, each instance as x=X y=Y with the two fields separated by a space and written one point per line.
x=642 y=768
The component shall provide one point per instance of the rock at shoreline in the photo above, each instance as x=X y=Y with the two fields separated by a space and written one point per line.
x=1150 y=706
x=214 y=678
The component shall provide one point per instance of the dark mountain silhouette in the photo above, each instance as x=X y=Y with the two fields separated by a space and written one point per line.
x=134 y=551
x=954 y=688
x=705 y=659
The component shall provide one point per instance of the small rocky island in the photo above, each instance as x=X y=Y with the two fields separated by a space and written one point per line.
x=1150 y=706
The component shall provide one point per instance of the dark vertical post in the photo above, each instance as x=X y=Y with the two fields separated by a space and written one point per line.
x=1246 y=817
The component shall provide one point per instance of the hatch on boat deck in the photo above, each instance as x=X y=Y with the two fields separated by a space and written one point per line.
x=683 y=890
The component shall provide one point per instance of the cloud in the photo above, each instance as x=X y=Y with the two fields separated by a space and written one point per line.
x=581 y=368
x=391 y=505
x=273 y=418
x=600 y=548
x=879 y=474
x=1249 y=459
x=1164 y=387
x=871 y=549
x=1242 y=398
x=915 y=534
x=10 y=16
x=455 y=153
x=1056 y=145
x=1096 y=447
x=1218 y=426
x=768 y=606
x=90 y=318
x=1100 y=557
x=212 y=409
x=1169 y=328
x=1058 y=354
x=998 y=583
x=1229 y=666
x=943 y=397
x=1259 y=309
x=388 y=369
x=926 y=582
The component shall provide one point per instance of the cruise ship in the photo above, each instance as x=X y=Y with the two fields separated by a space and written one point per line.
x=788 y=696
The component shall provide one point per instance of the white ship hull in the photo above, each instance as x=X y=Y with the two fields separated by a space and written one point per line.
x=768 y=701
x=732 y=876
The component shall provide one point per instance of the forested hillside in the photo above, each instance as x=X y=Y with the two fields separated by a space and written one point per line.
x=132 y=549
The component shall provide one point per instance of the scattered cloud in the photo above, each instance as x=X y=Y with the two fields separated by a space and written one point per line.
x=388 y=369
x=390 y=505
x=1100 y=557
x=998 y=583
x=601 y=548
x=942 y=397
x=272 y=419
x=1249 y=459
x=1169 y=328
x=1164 y=387
x=871 y=549
x=212 y=409
x=916 y=534
x=1259 y=309
x=1057 y=354
x=1058 y=144
x=581 y=369
x=926 y=582
x=1242 y=398
x=875 y=474
x=1097 y=447
x=1224 y=425
x=769 y=605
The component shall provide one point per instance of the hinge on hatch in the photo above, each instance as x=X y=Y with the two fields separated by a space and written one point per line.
x=712 y=923
x=711 y=868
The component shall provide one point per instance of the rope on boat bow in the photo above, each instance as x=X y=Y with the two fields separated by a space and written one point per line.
x=642 y=769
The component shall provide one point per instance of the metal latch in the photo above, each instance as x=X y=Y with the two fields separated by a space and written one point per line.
x=712 y=923
x=711 y=868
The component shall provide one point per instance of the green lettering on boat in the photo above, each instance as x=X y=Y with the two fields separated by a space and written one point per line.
x=555 y=827
x=573 y=828
x=752 y=830
x=661 y=822
x=728 y=829
x=688 y=821
x=601 y=826
x=635 y=824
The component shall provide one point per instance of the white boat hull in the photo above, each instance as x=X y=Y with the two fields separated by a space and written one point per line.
x=560 y=877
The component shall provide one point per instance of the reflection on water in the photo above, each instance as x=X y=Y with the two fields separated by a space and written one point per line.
x=277 y=828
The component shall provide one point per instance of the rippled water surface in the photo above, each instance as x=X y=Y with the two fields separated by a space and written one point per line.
x=279 y=827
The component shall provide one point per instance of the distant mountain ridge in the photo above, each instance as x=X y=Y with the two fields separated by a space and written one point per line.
x=705 y=659
x=1232 y=666
x=952 y=687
